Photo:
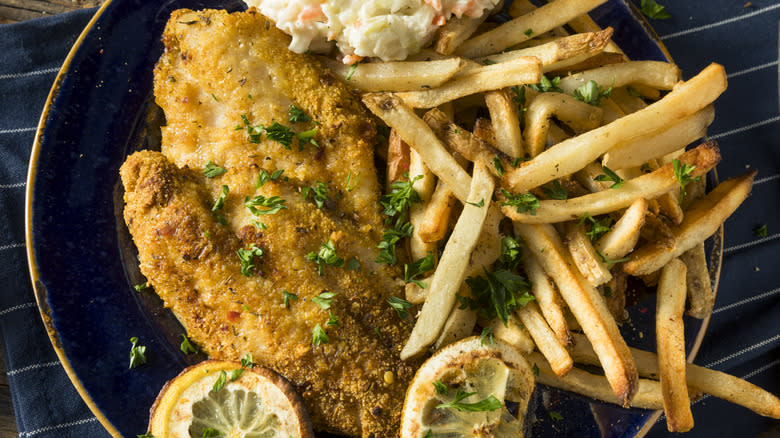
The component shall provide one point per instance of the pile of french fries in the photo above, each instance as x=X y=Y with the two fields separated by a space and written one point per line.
x=468 y=104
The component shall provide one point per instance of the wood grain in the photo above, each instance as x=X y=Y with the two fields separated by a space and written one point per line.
x=19 y=10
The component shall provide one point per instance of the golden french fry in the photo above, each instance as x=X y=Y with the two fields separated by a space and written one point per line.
x=584 y=255
x=693 y=191
x=629 y=102
x=544 y=338
x=572 y=112
x=648 y=393
x=452 y=267
x=621 y=239
x=611 y=110
x=669 y=206
x=572 y=155
x=506 y=122
x=460 y=324
x=416 y=294
x=435 y=223
x=587 y=177
x=701 y=221
x=396 y=76
x=715 y=383
x=455 y=31
x=656 y=74
x=670 y=138
x=419 y=136
x=701 y=297
x=513 y=334
x=651 y=185
x=525 y=27
x=526 y=70
x=588 y=307
x=547 y=297
x=418 y=247
x=397 y=159
x=670 y=341
x=614 y=292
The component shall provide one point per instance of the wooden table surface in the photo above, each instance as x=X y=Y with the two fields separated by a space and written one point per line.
x=12 y=11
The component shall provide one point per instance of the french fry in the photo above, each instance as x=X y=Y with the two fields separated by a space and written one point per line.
x=611 y=111
x=671 y=138
x=628 y=102
x=670 y=341
x=514 y=334
x=701 y=297
x=452 y=267
x=614 y=292
x=584 y=255
x=397 y=159
x=583 y=62
x=572 y=155
x=656 y=74
x=526 y=70
x=396 y=76
x=516 y=31
x=715 y=383
x=701 y=221
x=650 y=185
x=648 y=393
x=455 y=31
x=544 y=338
x=434 y=225
x=418 y=247
x=506 y=122
x=621 y=239
x=588 y=307
x=693 y=191
x=574 y=48
x=574 y=113
x=587 y=177
x=416 y=294
x=547 y=297
x=669 y=206
x=419 y=136
x=460 y=324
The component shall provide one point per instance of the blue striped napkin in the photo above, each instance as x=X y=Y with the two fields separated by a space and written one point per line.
x=744 y=335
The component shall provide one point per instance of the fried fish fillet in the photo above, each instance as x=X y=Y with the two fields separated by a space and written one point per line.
x=219 y=72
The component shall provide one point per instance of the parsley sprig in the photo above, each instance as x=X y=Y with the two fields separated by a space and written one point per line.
x=324 y=300
x=598 y=227
x=417 y=268
x=264 y=177
x=523 y=202
x=297 y=115
x=654 y=10
x=489 y=404
x=547 y=85
x=319 y=336
x=137 y=353
x=287 y=297
x=212 y=170
x=610 y=175
x=319 y=193
x=591 y=93
x=247 y=258
x=396 y=206
x=400 y=305
x=556 y=191
x=682 y=171
x=186 y=346
x=326 y=256
x=270 y=205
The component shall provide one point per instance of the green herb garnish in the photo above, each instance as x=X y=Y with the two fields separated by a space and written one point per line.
x=264 y=177
x=547 y=85
x=610 y=175
x=591 y=93
x=297 y=115
x=556 y=191
x=324 y=300
x=319 y=193
x=220 y=202
x=247 y=258
x=419 y=267
x=654 y=10
x=486 y=338
x=523 y=202
x=489 y=404
x=326 y=256
x=682 y=172
x=287 y=297
x=186 y=346
x=248 y=361
x=319 y=336
x=137 y=353
x=400 y=305
x=273 y=204
x=212 y=170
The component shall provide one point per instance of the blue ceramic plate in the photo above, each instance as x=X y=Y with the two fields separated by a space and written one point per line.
x=82 y=260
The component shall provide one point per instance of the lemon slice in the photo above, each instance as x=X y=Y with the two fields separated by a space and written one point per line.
x=469 y=389
x=250 y=403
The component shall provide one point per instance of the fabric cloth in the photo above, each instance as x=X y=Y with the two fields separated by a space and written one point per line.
x=744 y=334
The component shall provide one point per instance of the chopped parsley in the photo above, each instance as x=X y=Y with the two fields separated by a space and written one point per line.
x=535 y=368
x=333 y=320
x=350 y=185
x=488 y=61
x=273 y=204
x=277 y=132
x=287 y=297
x=479 y=204
x=186 y=346
x=352 y=70
x=547 y=85
x=519 y=98
x=528 y=32
x=556 y=191
x=326 y=256
x=220 y=202
x=220 y=383
x=307 y=137
x=654 y=10
x=610 y=261
x=440 y=387
x=555 y=415
x=324 y=300
x=144 y=285
x=598 y=227
x=486 y=338
x=390 y=238
x=396 y=205
x=137 y=353
x=591 y=93
x=146 y=435
x=212 y=170
x=489 y=404
x=319 y=336
x=523 y=202
x=510 y=253
x=210 y=432
x=499 y=167
x=419 y=267
x=297 y=115
x=248 y=361
x=400 y=305
x=264 y=177
x=319 y=193
x=259 y=225
x=236 y=374
x=247 y=258
x=401 y=197
x=682 y=172
x=353 y=264
x=607 y=292
x=760 y=231
x=610 y=175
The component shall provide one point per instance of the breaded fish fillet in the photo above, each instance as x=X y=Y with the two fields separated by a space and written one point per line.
x=219 y=71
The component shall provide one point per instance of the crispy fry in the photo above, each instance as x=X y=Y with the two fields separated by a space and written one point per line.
x=435 y=223
x=419 y=136
x=571 y=155
x=419 y=248
x=656 y=74
x=701 y=297
x=396 y=76
x=670 y=340
x=526 y=70
x=670 y=138
x=584 y=255
x=544 y=338
x=669 y=206
x=455 y=31
x=583 y=62
x=651 y=185
x=629 y=102
x=622 y=238
x=587 y=305
x=709 y=381
x=701 y=221
x=506 y=122
x=513 y=32
x=614 y=292
x=567 y=109
x=513 y=334
x=416 y=294
x=452 y=267
x=547 y=297
x=460 y=324
x=397 y=159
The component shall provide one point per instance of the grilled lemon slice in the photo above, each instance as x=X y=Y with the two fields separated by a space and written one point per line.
x=469 y=389
x=220 y=398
